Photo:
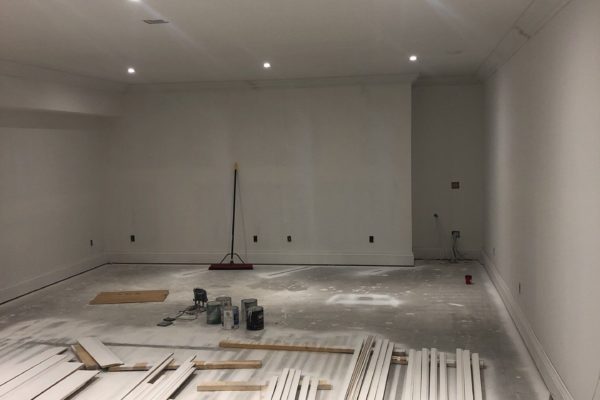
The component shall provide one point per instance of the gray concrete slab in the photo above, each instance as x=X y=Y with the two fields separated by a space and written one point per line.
x=425 y=306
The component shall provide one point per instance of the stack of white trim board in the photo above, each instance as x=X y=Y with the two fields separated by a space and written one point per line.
x=48 y=375
x=426 y=374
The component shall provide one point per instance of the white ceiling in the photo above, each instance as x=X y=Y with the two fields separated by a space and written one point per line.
x=230 y=39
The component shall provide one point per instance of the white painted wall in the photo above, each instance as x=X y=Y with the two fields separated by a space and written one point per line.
x=447 y=145
x=51 y=198
x=327 y=165
x=543 y=194
x=26 y=87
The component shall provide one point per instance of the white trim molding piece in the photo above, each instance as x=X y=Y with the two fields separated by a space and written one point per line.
x=68 y=386
x=550 y=375
x=11 y=372
x=266 y=258
x=99 y=352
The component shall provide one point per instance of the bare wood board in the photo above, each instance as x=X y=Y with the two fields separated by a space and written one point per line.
x=138 y=296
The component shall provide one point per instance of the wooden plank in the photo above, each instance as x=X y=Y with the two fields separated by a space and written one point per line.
x=351 y=368
x=417 y=376
x=10 y=373
x=312 y=391
x=285 y=374
x=42 y=382
x=68 y=386
x=359 y=368
x=443 y=377
x=424 y=374
x=288 y=384
x=232 y=386
x=433 y=380
x=304 y=388
x=200 y=365
x=372 y=391
x=84 y=357
x=270 y=388
x=138 y=296
x=381 y=386
x=229 y=364
x=165 y=389
x=370 y=372
x=460 y=382
x=99 y=352
x=284 y=347
x=294 y=388
x=477 y=392
x=31 y=373
x=467 y=375
x=408 y=379
x=134 y=389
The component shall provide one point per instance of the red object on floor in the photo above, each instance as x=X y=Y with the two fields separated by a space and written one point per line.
x=468 y=280
x=230 y=267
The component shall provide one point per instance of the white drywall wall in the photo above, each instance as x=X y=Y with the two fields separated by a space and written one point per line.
x=327 y=165
x=447 y=146
x=51 y=198
x=542 y=214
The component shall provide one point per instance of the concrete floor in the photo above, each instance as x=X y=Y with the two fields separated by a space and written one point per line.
x=426 y=306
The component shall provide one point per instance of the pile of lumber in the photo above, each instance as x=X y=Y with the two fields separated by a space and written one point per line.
x=367 y=377
x=154 y=386
x=290 y=385
x=427 y=375
x=49 y=375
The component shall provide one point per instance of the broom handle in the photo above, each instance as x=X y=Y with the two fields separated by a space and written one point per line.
x=233 y=220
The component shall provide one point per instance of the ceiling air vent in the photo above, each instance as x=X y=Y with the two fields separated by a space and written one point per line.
x=155 y=21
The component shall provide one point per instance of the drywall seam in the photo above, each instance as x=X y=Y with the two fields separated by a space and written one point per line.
x=553 y=381
x=264 y=258
x=533 y=19
x=40 y=282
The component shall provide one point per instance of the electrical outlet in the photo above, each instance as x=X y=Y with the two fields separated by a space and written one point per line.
x=289 y=238
x=456 y=234
x=91 y=242
x=455 y=185
x=371 y=239
x=132 y=238
x=255 y=238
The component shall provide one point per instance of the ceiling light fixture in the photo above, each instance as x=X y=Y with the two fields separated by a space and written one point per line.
x=131 y=70
x=266 y=65
x=413 y=58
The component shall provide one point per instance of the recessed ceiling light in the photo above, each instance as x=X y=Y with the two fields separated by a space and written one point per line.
x=413 y=58
x=266 y=65
x=131 y=70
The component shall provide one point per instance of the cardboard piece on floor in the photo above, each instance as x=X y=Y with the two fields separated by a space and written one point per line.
x=138 y=296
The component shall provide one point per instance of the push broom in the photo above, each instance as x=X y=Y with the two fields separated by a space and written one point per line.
x=232 y=265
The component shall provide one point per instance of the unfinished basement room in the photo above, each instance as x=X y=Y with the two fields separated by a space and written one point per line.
x=299 y=199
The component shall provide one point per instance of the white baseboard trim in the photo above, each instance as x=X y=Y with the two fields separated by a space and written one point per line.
x=264 y=258
x=56 y=275
x=436 y=253
x=553 y=381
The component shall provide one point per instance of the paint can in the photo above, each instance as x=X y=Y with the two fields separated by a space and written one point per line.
x=227 y=319
x=246 y=304
x=213 y=312
x=224 y=300
x=256 y=319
